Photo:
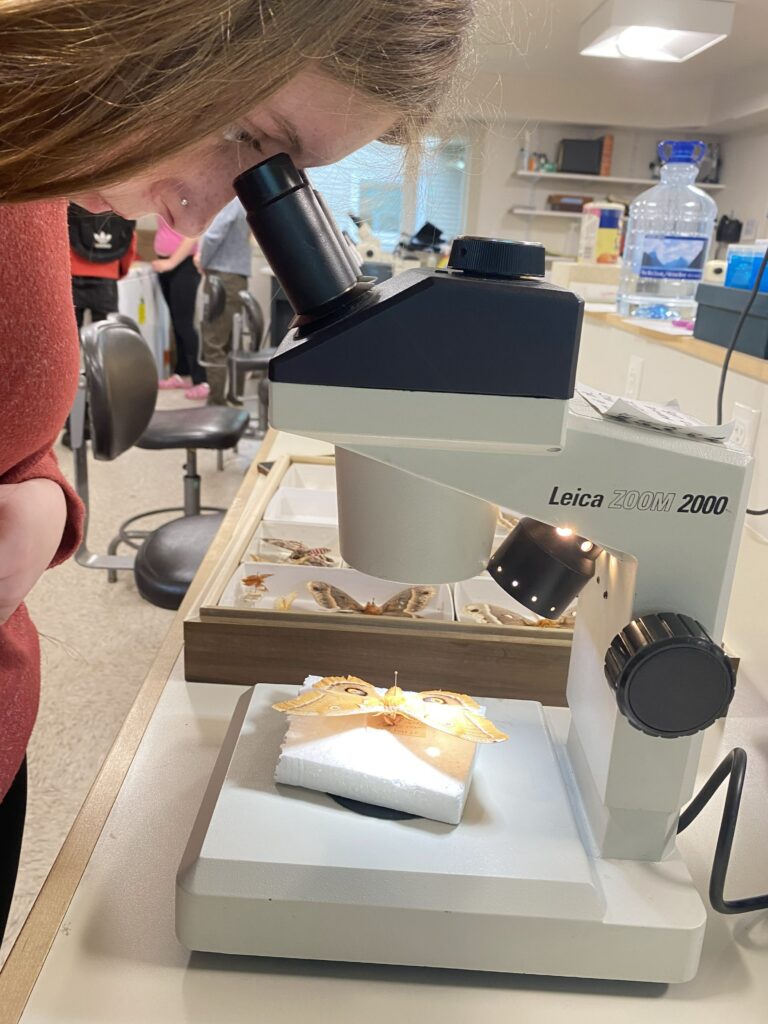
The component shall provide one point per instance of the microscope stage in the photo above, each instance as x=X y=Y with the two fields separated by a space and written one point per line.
x=274 y=870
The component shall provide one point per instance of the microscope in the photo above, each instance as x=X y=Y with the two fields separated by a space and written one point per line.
x=448 y=393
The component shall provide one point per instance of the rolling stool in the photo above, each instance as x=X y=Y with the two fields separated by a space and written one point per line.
x=119 y=382
x=249 y=323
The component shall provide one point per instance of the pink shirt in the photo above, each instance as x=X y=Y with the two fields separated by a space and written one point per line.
x=167 y=241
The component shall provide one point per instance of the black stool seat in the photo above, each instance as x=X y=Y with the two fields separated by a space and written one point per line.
x=169 y=558
x=213 y=426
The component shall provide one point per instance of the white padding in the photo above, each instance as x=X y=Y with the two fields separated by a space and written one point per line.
x=409 y=767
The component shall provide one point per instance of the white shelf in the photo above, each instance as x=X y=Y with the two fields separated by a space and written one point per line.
x=525 y=211
x=607 y=179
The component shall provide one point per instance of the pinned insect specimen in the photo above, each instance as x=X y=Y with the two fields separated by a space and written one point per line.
x=495 y=615
x=256 y=581
x=453 y=713
x=407 y=603
x=300 y=554
x=283 y=604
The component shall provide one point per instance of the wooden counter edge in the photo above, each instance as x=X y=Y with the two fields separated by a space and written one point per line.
x=28 y=954
x=707 y=351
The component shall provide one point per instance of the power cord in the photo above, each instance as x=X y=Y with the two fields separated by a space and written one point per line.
x=729 y=352
x=735 y=766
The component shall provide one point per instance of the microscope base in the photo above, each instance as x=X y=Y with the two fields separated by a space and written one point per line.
x=285 y=872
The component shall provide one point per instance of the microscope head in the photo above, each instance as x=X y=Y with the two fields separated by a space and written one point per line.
x=477 y=357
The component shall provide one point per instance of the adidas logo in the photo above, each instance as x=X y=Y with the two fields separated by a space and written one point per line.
x=102 y=240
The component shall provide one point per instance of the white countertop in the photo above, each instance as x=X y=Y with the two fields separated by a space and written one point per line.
x=116 y=960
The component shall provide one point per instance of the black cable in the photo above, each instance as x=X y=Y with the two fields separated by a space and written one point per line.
x=737 y=333
x=729 y=352
x=735 y=766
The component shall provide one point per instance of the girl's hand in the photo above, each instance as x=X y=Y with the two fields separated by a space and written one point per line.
x=33 y=515
x=163 y=264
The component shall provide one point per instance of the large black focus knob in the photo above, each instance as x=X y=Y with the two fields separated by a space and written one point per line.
x=669 y=676
x=492 y=257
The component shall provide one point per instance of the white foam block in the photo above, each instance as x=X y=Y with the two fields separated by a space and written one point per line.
x=409 y=767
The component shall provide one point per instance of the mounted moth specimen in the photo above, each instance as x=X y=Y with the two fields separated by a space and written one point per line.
x=405 y=604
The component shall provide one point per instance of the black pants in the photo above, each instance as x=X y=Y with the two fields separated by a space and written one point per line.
x=179 y=288
x=99 y=294
x=12 y=812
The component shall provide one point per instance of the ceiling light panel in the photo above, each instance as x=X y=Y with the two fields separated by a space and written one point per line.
x=662 y=30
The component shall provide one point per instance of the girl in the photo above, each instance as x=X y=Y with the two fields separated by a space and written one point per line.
x=154 y=107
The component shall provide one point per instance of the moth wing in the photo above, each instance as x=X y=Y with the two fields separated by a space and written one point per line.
x=446 y=698
x=495 y=615
x=332 y=696
x=351 y=685
x=505 y=617
x=289 y=545
x=408 y=601
x=455 y=721
x=333 y=598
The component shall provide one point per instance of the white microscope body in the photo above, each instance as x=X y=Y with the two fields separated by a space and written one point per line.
x=565 y=862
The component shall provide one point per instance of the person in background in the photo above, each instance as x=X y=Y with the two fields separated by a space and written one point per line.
x=179 y=280
x=225 y=251
x=102 y=248
x=156 y=111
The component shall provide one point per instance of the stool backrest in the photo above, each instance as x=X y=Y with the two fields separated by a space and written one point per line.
x=121 y=385
x=123 y=318
x=253 y=318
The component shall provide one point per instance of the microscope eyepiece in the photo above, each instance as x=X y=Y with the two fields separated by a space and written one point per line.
x=300 y=240
x=267 y=182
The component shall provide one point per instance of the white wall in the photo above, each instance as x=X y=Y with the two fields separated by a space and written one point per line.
x=745 y=173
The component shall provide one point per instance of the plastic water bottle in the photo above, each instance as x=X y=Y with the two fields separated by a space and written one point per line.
x=668 y=237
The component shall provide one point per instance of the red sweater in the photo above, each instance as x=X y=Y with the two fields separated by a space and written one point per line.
x=39 y=365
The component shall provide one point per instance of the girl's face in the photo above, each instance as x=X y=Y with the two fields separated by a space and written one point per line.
x=314 y=118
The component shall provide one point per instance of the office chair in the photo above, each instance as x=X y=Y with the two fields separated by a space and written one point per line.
x=118 y=385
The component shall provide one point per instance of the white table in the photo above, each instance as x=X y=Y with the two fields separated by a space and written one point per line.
x=114 y=958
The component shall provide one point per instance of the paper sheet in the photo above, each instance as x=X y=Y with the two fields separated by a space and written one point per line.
x=668 y=418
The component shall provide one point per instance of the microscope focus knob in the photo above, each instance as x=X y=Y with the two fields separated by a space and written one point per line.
x=493 y=257
x=670 y=678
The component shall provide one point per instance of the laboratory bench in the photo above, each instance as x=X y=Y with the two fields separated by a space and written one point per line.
x=99 y=944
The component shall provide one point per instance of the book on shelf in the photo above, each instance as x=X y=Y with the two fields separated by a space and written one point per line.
x=606 y=156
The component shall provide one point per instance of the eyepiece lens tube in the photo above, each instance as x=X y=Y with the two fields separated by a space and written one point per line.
x=298 y=237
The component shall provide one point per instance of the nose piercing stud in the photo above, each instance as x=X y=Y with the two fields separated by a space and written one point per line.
x=184 y=202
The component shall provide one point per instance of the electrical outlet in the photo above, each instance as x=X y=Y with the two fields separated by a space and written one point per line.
x=634 y=377
x=749 y=233
x=746 y=423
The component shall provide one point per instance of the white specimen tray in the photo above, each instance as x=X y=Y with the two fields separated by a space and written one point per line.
x=310 y=535
x=291 y=505
x=278 y=871
x=482 y=590
x=286 y=579
x=313 y=477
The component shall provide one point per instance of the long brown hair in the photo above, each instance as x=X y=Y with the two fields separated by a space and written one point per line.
x=94 y=91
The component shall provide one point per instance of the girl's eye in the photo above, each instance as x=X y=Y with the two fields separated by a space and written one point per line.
x=242 y=136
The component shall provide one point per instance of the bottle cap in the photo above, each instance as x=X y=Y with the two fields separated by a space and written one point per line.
x=681 y=152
